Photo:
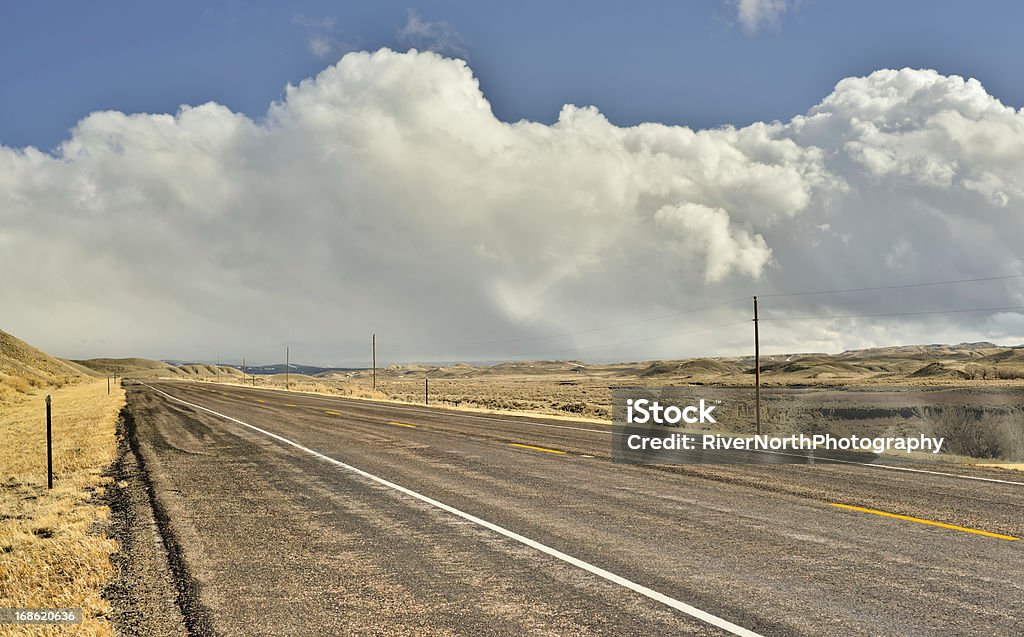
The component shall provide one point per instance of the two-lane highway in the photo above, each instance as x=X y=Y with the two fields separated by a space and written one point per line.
x=302 y=514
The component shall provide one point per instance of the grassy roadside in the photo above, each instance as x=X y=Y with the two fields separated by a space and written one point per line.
x=50 y=553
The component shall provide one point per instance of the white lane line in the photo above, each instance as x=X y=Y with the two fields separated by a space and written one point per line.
x=892 y=468
x=934 y=473
x=683 y=607
x=609 y=432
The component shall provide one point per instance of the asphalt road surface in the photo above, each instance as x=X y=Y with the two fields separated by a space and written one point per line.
x=294 y=514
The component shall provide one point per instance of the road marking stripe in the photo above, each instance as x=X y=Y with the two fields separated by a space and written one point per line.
x=401 y=424
x=290 y=405
x=887 y=467
x=671 y=602
x=260 y=401
x=545 y=449
x=934 y=473
x=923 y=521
x=333 y=413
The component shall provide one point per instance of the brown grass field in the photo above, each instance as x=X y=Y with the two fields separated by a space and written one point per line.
x=53 y=553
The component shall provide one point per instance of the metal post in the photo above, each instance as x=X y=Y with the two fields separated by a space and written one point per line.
x=373 y=347
x=426 y=390
x=287 y=367
x=757 y=373
x=49 y=445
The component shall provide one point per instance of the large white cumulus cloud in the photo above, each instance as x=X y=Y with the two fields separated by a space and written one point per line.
x=384 y=195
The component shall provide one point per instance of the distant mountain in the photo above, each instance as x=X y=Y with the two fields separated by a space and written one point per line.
x=147 y=368
x=268 y=370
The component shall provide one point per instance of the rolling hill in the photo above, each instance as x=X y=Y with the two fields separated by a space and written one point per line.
x=147 y=368
x=24 y=369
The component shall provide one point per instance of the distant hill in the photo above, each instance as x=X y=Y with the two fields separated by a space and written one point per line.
x=901 y=363
x=147 y=368
x=24 y=369
x=268 y=370
x=692 y=367
x=120 y=365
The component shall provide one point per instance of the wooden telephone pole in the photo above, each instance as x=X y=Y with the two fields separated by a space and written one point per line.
x=757 y=373
x=287 y=367
x=373 y=347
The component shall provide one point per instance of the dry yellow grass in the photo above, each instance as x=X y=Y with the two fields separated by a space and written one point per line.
x=1015 y=466
x=25 y=369
x=51 y=555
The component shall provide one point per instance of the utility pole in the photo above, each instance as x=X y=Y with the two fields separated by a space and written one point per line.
x=373 y=347
x=287 y=367
x=757 y=373
x=426 y=390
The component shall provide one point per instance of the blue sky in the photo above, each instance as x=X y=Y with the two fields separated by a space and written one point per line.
x=692 y=63
x=381 y=196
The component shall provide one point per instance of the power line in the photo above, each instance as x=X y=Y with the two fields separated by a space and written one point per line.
x=784 y=294
x=897 y=287
x=845 y=316
x=730 y=302
x=780 y=318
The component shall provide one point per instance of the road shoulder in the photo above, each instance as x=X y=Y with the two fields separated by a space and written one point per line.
x=145 y=592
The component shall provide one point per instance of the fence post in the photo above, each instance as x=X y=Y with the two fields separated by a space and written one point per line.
x=49 y=445
x=426 y=390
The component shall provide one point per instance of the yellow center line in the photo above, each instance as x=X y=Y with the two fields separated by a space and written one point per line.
x=260 y=401
x=923 y=521
x=290 y=405
x=401 y=424
x=544 y=449
x=333 y=413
